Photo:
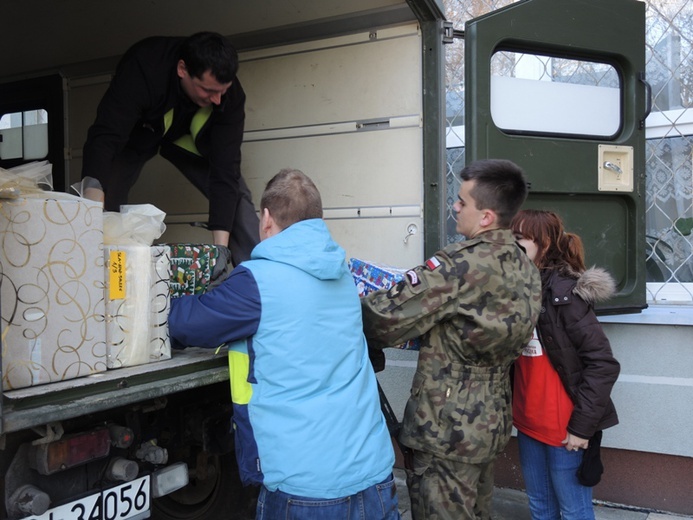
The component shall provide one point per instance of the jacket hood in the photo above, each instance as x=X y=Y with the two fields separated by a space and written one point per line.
x=595 y=285
x=306 y=245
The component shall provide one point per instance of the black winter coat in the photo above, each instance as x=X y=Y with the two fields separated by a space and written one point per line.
x=129 y=126
x=577 y=346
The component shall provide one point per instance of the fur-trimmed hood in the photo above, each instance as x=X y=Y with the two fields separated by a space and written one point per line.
x=595 y=285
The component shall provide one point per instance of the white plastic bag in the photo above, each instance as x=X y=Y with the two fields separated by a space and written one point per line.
x=26 y=179
x=136 y=224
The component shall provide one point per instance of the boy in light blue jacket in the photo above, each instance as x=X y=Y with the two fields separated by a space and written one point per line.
x=307 y=418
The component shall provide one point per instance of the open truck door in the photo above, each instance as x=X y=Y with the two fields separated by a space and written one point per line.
x=558 y=86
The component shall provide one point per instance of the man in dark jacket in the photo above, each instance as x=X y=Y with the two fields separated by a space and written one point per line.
x=179 y=97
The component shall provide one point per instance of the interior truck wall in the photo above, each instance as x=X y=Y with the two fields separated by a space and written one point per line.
x=346 y=110
x=38 y=35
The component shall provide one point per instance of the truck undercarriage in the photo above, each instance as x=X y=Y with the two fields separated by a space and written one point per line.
x=76 y=446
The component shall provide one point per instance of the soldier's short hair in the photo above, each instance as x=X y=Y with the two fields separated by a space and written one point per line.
x=291 y=196
x=500 y=185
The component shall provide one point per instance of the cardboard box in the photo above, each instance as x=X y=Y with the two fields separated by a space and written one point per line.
x=52 y=282
x=191 y=268
x=370 y=277
x=138 y=301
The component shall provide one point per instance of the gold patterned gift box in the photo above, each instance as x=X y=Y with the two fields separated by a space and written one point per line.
x=137 y=304
x=52 y=289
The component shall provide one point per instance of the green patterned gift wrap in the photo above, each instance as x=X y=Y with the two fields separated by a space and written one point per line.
x=191 y=268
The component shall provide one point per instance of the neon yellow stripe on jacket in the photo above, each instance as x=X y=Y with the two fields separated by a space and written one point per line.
x=239 y=367
x=187 y=142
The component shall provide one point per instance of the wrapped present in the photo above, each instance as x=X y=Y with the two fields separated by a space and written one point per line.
x=52 y=281
x=370 y=277
x=191 y=268
x=137 y=304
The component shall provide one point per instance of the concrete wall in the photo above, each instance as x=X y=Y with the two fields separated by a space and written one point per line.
x=654 y=392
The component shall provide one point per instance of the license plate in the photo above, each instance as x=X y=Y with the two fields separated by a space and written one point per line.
x=127 y=501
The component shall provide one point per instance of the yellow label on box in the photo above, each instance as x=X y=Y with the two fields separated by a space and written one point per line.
x=117 y=275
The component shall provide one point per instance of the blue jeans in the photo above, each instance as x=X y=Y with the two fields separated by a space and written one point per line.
x=552 y=486
x=378 y=502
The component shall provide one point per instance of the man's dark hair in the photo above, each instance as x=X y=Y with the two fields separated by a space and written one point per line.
x=500 y=185
x=290 y=197
x=205 y=51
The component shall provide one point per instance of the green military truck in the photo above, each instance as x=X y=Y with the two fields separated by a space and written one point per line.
x=352 y=93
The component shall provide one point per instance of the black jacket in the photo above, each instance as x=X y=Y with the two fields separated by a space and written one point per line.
x=577 y=346
x=130 y=125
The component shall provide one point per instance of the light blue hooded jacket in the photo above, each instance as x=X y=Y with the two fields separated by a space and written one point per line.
x=306 y=406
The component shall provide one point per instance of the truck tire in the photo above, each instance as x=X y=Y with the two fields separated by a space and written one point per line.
x=220 y=497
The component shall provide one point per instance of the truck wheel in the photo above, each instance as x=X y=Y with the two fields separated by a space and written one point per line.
x=218 y=497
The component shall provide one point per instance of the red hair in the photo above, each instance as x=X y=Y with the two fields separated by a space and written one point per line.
x=557 y=249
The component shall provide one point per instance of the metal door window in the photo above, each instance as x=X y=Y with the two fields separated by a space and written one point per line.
x=533 y=93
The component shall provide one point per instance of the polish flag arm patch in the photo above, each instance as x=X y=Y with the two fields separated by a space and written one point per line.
x=433 y=263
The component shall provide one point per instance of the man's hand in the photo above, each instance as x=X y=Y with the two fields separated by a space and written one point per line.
x=94 y=194
x=222 y=267
x=220 y=237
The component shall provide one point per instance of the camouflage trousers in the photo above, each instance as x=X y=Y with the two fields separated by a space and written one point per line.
x=442 y=489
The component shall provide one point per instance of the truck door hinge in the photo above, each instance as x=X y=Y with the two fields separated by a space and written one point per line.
x=450 y=33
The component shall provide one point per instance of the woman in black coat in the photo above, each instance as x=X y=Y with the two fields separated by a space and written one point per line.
x=564 y=377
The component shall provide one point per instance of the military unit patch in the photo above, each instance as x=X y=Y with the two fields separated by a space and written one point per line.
x=413 y=278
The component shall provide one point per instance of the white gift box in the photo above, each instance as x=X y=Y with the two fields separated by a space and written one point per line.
x=137 y=304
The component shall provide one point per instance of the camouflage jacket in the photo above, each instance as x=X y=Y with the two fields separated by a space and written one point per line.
x=475 y=305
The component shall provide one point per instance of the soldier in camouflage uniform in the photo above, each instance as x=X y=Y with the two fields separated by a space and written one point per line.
x=474 y=304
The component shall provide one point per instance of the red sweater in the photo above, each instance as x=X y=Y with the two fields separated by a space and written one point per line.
x=541 y=406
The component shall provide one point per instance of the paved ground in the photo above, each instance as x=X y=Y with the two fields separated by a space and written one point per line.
x=510 y=504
